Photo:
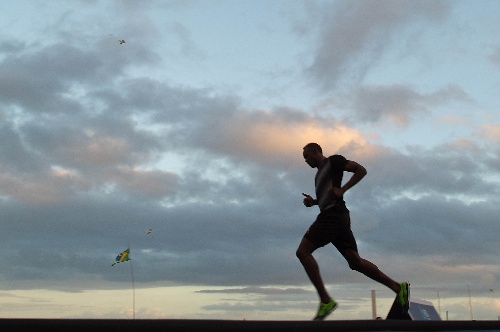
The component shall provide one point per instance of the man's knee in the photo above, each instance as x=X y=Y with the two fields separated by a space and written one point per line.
x=301 y=253
x=305 y=249
x=361 y=265
x=355 y=262
x=355 y=265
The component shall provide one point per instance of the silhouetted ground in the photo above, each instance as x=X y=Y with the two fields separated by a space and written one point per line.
x=174 y=325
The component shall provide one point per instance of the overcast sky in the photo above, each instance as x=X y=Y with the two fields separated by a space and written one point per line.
x=194 y=128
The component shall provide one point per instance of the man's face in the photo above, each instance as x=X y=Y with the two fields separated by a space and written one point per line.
x=310 y=157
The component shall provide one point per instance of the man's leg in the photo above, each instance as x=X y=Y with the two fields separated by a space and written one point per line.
x=304 y=254
x=369 y=269
x=372 y=271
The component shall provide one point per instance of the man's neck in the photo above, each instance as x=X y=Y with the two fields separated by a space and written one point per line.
x=321 y=161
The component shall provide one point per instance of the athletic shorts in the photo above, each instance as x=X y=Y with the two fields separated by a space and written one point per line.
x=332 y=227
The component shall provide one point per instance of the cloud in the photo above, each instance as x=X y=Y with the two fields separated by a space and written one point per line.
x=270 y=291
x=236 y=192
x=490 y=131
x=402 y=194
x=495 y=56
x=452 y=119
x=278 y=136
x=399 y=103
x=155 y=183
x=353 y=35
x=188 y=47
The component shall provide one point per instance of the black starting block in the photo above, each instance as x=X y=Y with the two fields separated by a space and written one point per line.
x=396 y=311
x=419 y=310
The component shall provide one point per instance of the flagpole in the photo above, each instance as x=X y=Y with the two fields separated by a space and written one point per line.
x=133 y=289
x=133 y=285
x=470 y=303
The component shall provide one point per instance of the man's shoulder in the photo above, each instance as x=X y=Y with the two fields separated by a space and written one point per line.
x=337 y=161
x=337 y=157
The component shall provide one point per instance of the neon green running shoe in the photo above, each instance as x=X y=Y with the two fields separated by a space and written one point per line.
x=325 y=309
x=404 y=296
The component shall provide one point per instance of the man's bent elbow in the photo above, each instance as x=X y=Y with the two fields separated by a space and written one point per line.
x=361 y=170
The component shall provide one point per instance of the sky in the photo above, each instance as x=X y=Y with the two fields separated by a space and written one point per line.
x=194 y=128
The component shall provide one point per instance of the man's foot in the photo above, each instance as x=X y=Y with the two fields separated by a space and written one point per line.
x=404 y=296
x=325 y=309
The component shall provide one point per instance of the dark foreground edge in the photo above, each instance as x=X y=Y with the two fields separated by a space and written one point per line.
x=174 y=325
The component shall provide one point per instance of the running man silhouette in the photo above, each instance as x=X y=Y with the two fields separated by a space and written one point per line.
x=333 y=225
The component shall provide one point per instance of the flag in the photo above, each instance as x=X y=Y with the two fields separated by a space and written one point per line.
x=122 y=257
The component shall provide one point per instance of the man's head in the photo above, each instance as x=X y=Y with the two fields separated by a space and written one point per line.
x=313 y=154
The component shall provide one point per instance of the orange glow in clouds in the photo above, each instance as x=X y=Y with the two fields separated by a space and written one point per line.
x=285 y=139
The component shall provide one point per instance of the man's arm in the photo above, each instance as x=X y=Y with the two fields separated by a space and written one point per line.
x=359 y=173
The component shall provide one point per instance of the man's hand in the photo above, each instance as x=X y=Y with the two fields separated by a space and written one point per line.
x=336 y=192
x=308 y=200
